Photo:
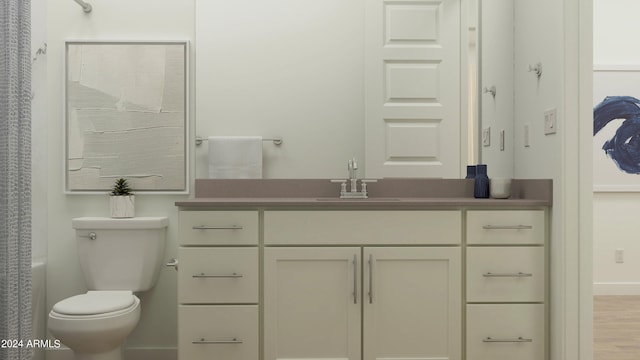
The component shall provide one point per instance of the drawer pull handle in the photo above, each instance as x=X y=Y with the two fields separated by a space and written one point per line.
x=520 y=339
x=230 y=227
x=518 y=274
x=507 y=227
x=203 y=341
x=203 y=275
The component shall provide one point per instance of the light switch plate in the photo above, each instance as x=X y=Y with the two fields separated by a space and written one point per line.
x=550 y=121
x=486 y=136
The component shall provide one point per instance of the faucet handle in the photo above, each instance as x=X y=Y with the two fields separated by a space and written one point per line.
x=343 y=185
x=364 y=184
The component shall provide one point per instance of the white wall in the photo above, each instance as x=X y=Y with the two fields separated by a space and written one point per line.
x=497 y=113
x=615 y=224
x=109 y=20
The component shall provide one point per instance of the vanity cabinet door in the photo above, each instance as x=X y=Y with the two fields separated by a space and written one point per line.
x=312 y=303
x=412 y=303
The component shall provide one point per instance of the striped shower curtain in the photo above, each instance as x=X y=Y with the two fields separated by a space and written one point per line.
x=15 y=179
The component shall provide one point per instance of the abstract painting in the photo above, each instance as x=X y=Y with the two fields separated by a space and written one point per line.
x=126 y=115
x=616 y=128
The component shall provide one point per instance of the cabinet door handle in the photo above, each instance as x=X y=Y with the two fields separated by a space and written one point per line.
x=203 y=341
x=370 y=278
x=520 y=339
x=507 y=227
x=355 y=279
x=229 y=227
x=203 y=275
x=518 y=274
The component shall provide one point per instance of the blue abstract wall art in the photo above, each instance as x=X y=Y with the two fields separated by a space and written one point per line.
x=624 y=147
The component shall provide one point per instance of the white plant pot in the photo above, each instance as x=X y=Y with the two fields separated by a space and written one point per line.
x=122 y=206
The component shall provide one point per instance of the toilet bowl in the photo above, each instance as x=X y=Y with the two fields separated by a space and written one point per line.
x=95 y=324
x=118 y=257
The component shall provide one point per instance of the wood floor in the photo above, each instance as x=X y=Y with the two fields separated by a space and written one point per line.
x=616 y=327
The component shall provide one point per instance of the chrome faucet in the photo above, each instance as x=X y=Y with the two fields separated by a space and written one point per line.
x=352 y=166
x=353 y=193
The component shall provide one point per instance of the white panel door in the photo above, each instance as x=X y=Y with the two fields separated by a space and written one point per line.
x=412 y=85
x=312 y=303
x=412 y=303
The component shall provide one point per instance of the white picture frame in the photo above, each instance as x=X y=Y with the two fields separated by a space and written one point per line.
x=612 y=80
x=126 y=115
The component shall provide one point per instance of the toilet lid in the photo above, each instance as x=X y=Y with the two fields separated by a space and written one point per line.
x=95 y=302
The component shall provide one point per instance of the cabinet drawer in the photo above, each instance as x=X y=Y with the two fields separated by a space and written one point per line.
x=217 y=275
x=505 y=332
x=228 y=332
x=505 y=274
x=362 y=227
x=505 y=227
x=218 y=228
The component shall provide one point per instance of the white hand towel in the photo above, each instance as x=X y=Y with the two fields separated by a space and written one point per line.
x=235 y=157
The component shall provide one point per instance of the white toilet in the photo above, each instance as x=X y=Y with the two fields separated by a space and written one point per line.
x=118 y=257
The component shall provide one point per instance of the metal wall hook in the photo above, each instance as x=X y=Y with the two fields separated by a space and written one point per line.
x=537 y=69
x=491 y=90
x=85 y=6
x=41 y=51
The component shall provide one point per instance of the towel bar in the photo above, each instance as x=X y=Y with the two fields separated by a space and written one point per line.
x=276 y=140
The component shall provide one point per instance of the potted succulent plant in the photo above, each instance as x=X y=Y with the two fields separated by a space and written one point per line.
x=122 y=200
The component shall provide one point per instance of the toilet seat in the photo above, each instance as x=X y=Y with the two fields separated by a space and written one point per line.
x=95 y=303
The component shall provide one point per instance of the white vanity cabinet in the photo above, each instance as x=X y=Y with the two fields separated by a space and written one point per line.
x=506 y=285
x=277 y=283
x=218 y=282
x=369 y=299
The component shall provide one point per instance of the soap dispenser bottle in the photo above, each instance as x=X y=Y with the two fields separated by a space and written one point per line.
x=481 y=182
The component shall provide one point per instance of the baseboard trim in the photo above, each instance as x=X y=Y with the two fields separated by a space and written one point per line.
x=129 y=354
x=616 y=288
x=151 y=354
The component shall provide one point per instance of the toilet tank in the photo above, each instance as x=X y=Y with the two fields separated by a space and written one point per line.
x=120 y=254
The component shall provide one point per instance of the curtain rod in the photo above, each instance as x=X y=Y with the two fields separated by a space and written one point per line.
x=86 y=7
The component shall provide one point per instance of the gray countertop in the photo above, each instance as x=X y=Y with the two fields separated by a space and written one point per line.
x=385 y=194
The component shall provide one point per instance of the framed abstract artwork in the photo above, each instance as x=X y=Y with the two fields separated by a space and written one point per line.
x=126 y=115
x=616 y=128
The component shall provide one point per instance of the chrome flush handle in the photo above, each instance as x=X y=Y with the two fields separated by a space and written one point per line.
x=91 y=236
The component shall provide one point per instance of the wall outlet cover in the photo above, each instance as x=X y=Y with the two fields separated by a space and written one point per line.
x=619 y=255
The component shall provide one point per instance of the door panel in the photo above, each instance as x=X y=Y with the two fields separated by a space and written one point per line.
x=312 y=303
x=412 y=102
x=412 y=303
